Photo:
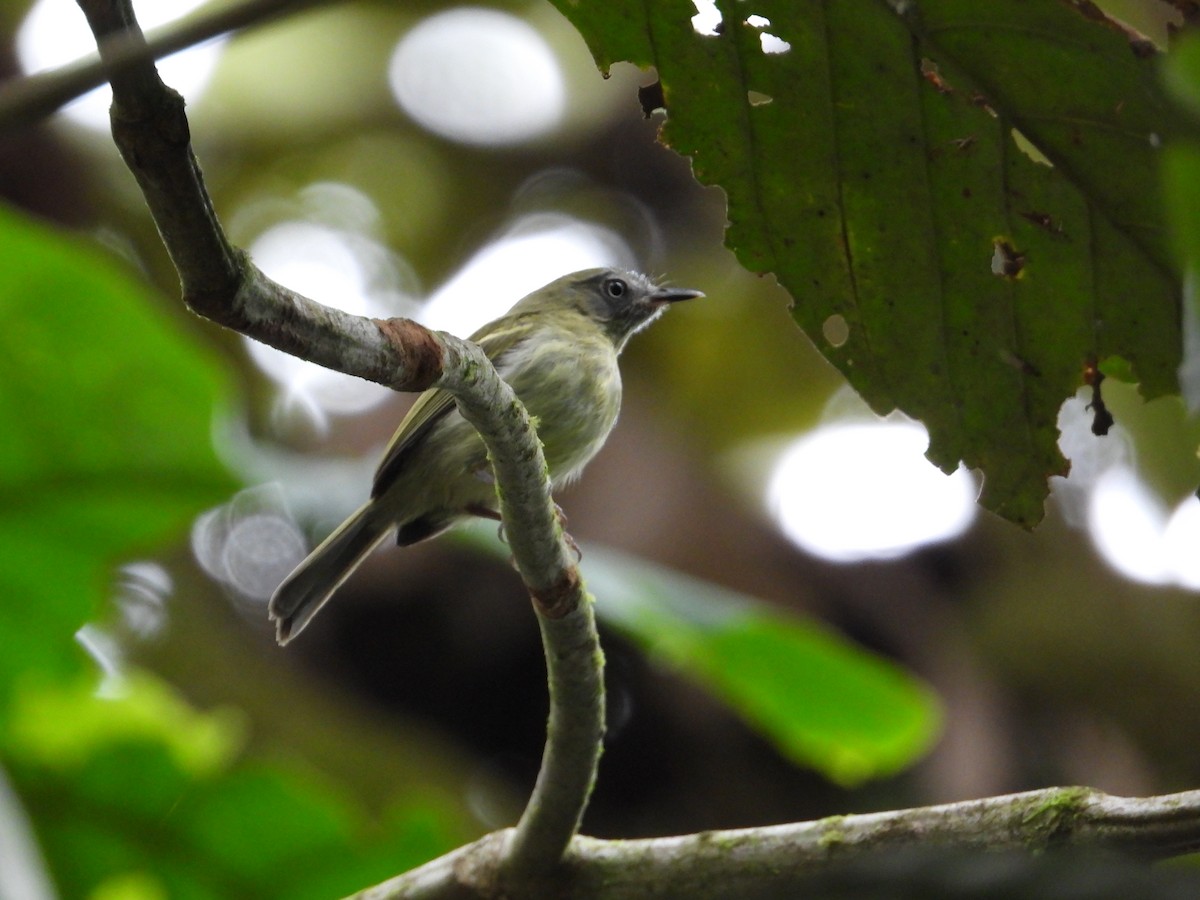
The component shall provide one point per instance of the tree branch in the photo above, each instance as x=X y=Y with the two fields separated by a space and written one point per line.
x=25 y=100
x=220 y=283
x=779 y=860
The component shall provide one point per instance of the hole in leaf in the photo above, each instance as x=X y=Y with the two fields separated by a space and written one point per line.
x=1007 y=260
x=756 y=98
x=773 y=45
x=1026 y=146
x=836 y=330
x=650 y=96
x=770 y=43
x=707 y=20
x=1042 y=220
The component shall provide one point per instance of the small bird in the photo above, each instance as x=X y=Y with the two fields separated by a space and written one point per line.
x=557 y=348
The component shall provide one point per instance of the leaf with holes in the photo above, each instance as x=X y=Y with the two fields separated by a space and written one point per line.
x=961 y=197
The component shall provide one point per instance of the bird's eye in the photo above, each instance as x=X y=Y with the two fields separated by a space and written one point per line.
x=615 y=288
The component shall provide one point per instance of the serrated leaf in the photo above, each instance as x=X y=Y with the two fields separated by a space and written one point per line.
x=877 y=168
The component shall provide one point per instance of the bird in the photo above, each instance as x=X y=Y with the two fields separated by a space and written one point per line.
x=557 y=348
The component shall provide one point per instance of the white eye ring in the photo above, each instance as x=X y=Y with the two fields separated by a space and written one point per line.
x=615 y=287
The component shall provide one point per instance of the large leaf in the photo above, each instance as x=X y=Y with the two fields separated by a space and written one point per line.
x=106 y=412
x=822 y=701
x=877 y=168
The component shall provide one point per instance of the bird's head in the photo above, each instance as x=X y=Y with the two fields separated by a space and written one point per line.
x=620 y=302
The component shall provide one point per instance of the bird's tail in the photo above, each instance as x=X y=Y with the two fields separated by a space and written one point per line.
x=310 y=586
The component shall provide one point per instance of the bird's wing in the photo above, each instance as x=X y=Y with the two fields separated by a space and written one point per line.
x=495 y=339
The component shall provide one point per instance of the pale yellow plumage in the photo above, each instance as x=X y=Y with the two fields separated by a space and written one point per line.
x=558 y=349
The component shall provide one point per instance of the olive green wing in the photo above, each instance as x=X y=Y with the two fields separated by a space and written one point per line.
x=496 y=338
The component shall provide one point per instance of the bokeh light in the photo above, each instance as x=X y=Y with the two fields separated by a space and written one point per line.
x=1133 y=529
x=106 y=652
x=341 y=268
x=1090 y=457
x=250 y=544
x=22 y=869
x=141 y=598
x=864 y=490
x=707 y=17
x=55 y=33
x=478 y=76
x=1139 y=536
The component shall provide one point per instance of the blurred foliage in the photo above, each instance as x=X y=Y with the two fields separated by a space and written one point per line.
x=1181 y=72
x=821 y=700
x=741 y=354
x=140 y=790
x=1164 y=438
x=952 y=207
x=107 y=416
x=107 y=411
x=824 y=702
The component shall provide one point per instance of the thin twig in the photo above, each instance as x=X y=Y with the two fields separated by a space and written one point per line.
x=220 y=283
x=25 y=100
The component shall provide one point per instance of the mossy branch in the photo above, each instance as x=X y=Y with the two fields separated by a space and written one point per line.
x=782 y=860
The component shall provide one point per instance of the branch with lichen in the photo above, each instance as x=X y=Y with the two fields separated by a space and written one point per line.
x=782 y=860
x=220 y=283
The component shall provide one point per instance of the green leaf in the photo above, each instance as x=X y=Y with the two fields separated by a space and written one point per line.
x=969 y=190
x=1181 y=169
x=1181 y=71
x=824 y=702
x=61 y=725
x=138 y=795
x=106 y=408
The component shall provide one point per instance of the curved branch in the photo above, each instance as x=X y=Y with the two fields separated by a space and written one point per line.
x=780 y=860
x=574 y=661
x=220 y=283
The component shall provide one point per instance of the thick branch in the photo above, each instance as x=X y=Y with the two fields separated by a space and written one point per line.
x=219 y=283
x=779 y=860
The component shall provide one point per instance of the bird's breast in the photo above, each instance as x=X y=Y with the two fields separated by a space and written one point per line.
x=572 y=386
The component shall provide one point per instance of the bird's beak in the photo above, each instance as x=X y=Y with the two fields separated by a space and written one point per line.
x=674 y=295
